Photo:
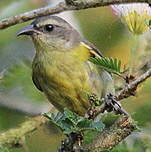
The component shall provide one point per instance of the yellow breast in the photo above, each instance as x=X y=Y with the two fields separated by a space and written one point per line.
x=66 y=78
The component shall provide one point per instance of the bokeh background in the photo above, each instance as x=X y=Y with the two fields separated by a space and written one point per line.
x=19 y=99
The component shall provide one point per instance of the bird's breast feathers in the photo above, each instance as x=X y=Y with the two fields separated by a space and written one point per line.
x=67 y=74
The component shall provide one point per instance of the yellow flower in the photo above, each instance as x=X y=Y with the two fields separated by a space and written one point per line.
x=136 y=16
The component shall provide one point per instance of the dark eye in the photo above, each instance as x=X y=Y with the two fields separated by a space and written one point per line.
x=48 y=27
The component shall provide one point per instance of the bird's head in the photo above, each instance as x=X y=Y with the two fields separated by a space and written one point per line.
x=52 y=32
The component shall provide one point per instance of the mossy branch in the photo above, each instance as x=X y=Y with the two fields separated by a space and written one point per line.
x=15 y=137
x=108 y=138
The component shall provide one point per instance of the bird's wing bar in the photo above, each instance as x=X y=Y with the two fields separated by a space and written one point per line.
x=93 y=50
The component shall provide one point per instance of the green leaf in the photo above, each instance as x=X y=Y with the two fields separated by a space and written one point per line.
x=60 y=121
x=109 y=64
x=73 y=117
x=69 y=121
x=86 y=124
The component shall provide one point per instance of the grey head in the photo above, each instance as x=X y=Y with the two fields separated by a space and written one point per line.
x=53 y=32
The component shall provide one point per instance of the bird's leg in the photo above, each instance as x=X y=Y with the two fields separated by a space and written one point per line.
x=111 y=104
x=101 y=105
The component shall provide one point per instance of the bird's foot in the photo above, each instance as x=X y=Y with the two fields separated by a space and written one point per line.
x=111 y=104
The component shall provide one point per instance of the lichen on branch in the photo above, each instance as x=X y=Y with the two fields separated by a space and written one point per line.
x=15 y=137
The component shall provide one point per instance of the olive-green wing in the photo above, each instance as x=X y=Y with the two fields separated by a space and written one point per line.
x=35 y=79
x=106 y=77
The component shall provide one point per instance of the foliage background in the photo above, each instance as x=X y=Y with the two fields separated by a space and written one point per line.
x=100 y=27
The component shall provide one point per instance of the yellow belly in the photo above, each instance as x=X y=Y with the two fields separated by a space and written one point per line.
x=65 y=80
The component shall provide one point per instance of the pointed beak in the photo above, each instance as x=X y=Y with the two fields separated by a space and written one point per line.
x=28 y=30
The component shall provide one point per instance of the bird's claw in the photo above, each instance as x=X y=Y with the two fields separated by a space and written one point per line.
x=111 y=104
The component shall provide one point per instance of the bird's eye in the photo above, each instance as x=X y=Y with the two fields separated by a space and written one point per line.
x=48 y=27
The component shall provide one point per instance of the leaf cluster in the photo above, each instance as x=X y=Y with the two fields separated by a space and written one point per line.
x=69 y=122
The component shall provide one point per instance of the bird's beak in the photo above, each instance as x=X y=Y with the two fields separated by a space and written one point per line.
x=28 y=30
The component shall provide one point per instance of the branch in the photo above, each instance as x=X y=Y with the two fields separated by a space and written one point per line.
x=68 y=5
x=130 y=89
x=15 y=137
x=110 y=137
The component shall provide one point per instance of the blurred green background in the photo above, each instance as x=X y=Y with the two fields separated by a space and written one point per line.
x=19 y=99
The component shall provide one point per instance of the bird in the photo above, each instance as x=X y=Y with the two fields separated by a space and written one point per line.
x=61 y=68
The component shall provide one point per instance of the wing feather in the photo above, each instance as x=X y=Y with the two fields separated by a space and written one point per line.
x=94 y=52
x=106 y=77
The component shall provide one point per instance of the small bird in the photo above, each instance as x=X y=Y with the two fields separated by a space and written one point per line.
x=61 y=68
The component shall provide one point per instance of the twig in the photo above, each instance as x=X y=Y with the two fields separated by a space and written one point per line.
x=108 y=104
x=130 y=89
x=117 y=132
x=111 y=136
x=68 y=5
